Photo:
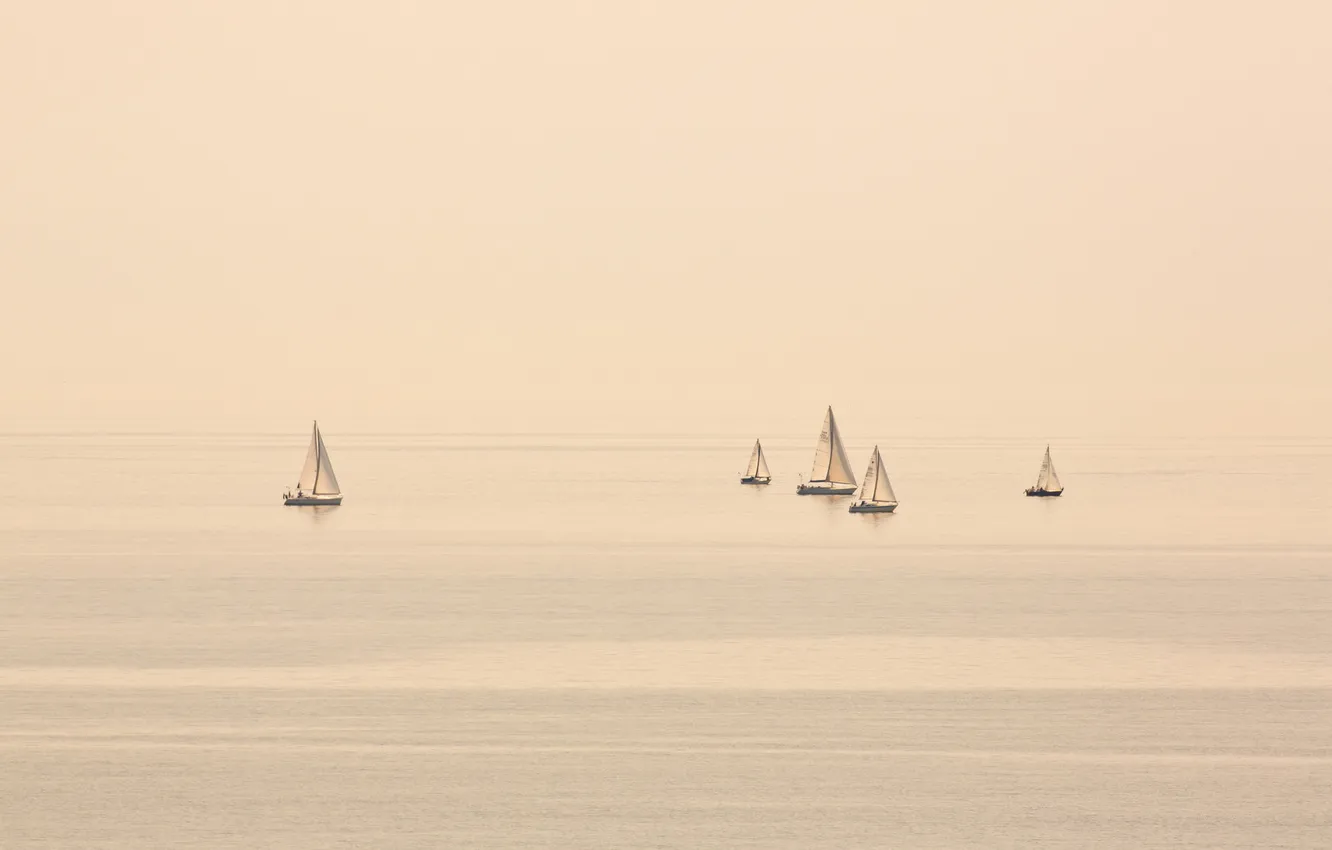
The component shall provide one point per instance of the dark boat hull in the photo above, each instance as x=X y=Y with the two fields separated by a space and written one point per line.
x=1032 y=491
x=754 y=479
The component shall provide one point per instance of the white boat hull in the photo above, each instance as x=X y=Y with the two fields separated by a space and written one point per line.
x=825 y=488
x=312 y=500
x=756 y=479
x=863 y=508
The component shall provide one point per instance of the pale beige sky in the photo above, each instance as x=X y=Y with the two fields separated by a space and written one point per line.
x=1015 y=218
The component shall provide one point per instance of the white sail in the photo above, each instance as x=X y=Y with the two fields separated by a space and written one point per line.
x=1052 y=481
x=311 y=468
x=317 y=474
x=876 y=487
x=1048 y=479
x=830 y=463
x=883 y=489
x=871 y=477
x=762 y=462
x=754 y=457
x=326 y=483
x=840 y=469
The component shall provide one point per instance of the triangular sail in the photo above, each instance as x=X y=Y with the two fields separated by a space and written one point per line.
x=326 y=483
x=839 y=471
x=1049 y=479
x=762 y=462
x=876 y=487
x=317 y=473
x=1051 y=482
x=830 y=463
x=755 y=461
x=883 y=490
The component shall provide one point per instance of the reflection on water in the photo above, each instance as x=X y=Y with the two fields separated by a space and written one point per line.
x=320 y=512
x=876 y=519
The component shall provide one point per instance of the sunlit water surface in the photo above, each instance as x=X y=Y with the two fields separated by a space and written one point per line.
x=605 y=641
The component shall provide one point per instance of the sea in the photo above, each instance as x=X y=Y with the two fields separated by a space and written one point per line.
x=605 y=641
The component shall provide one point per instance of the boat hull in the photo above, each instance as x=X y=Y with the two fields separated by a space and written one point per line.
x=826 y=488
x=1032 y=491
x=309 y=501
x=872 y=509
x=755 y=479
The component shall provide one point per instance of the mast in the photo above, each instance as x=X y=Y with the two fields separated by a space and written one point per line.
x=874 y=473
x=831 y=442
x=867 y=486
x=878 y=472
x=824 y=445
x=761 y=469
x=318 y=459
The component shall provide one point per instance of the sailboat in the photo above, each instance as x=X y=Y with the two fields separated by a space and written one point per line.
x=876 y=494
x=317 y=485
x=831 y=475
x=757 y=471
x=1047 y=483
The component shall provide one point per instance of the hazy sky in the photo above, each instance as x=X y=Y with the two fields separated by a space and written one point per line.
x=1015 y=218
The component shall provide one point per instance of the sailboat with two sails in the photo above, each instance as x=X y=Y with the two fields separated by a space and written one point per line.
x=757 y=470
x=876 y=494
x=831 y=474
x=317 y=485
x=1047 y=483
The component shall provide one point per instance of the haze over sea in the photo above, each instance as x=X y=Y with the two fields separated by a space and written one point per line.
x=543 y=272
x=602 y=640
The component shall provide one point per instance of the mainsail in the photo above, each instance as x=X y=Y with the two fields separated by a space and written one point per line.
x=830 y=463
x=876 y=487
x=758 y=464
x=1048 y=480
x=317 y=474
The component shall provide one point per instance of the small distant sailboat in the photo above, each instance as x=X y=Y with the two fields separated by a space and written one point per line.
x=1047 y=483
x=757 y=471
x=317 y=485
x=876 y=494
x=831 y=475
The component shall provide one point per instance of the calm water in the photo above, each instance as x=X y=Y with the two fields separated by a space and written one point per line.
x=604 y=641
